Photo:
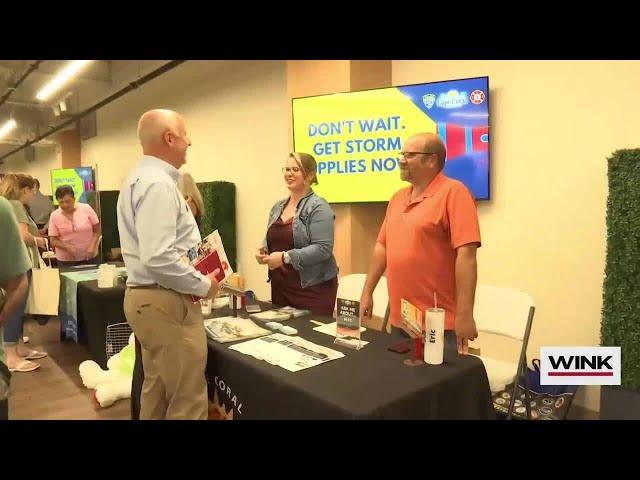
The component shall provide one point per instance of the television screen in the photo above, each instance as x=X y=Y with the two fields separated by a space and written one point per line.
x=81 y=179
x=356 y=137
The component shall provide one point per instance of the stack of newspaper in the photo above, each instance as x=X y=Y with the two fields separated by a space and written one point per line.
x=230 y=329
x=291 y=353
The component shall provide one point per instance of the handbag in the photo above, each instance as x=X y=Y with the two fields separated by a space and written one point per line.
x=44 y=289
x=533 y=379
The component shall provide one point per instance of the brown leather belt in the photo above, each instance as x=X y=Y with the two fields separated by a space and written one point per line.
x=155 y=285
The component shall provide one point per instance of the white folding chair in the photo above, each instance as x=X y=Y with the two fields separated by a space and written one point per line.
x=507 y=312
x=350 y=288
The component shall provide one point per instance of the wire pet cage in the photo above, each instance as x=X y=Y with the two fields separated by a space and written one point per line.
x=117 y=338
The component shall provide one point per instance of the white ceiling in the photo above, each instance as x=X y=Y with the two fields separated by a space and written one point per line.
x=97 y=81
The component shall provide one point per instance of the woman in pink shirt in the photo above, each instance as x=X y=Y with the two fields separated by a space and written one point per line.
x=74 y=230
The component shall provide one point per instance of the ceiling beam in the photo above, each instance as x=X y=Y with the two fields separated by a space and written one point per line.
x=15 y=85
x=39 y=106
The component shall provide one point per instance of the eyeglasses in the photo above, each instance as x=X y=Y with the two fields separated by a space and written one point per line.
x=290 y=169
x=409 y=155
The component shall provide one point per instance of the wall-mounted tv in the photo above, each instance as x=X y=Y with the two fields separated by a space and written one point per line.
x=356 y=137
x=81 y=179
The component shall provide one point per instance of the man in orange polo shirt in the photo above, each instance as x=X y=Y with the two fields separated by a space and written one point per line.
x=427 y=242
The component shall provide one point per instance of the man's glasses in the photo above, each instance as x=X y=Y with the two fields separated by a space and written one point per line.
x=409 y=155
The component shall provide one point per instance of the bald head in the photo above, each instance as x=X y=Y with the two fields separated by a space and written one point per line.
x=429 y=142
x=154 y=123
x=162 y=134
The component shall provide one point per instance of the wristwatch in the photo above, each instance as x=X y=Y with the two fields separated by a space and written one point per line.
x=286 y=258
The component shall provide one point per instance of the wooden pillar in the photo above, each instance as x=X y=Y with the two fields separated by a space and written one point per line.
x=68 y=148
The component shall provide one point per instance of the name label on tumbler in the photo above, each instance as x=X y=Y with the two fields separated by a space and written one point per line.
x=432 y=336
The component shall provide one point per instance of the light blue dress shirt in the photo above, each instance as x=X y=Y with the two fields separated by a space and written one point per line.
x=157 y=229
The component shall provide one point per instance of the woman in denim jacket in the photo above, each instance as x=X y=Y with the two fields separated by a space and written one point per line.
x=298 y=247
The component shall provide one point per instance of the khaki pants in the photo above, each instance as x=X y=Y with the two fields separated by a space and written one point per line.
x=170 y=329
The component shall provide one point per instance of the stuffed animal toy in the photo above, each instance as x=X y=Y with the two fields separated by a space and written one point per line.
x=114 y=383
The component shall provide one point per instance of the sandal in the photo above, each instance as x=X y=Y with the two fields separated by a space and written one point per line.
x=35 y=355
x=25 y=366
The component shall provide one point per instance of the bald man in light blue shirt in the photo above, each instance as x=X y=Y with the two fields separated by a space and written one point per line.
x=157 y=230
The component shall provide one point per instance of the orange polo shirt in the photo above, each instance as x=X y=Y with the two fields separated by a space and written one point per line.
x=421 y=238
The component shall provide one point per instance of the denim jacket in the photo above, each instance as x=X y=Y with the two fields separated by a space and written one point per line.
x=313 y=233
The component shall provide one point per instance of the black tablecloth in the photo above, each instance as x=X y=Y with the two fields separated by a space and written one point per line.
x=81 y=322
x=372 y=383
x=98 y=308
